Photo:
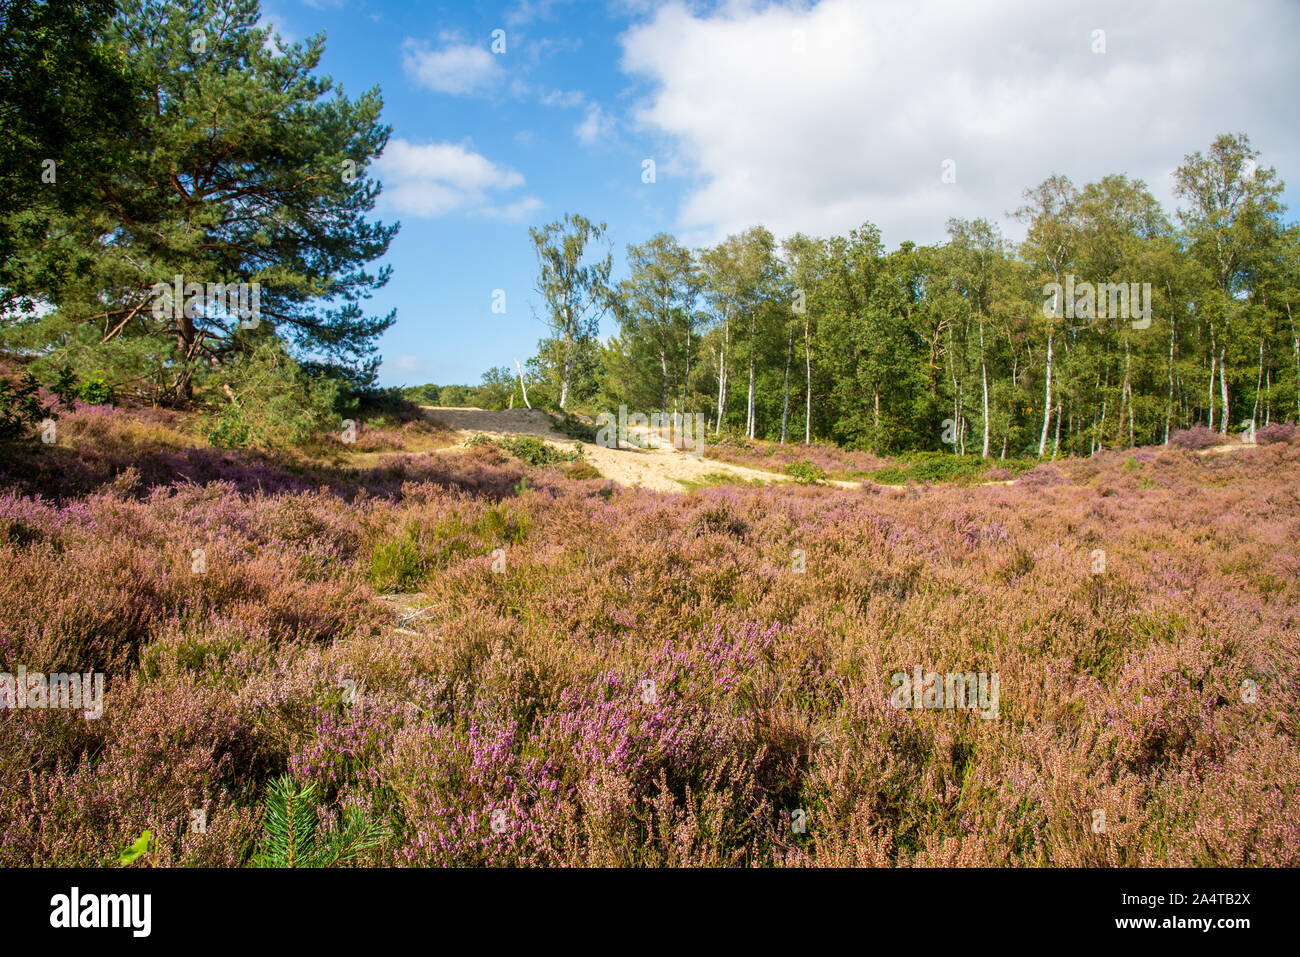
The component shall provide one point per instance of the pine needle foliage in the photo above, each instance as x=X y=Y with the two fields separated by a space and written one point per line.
x=292 y=836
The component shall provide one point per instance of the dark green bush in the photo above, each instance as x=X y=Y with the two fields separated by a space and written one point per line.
x=805 y=473
x=97 y=391
x=20 y=407
x=276 y=406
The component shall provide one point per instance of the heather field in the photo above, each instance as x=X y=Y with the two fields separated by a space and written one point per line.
x=460 y=658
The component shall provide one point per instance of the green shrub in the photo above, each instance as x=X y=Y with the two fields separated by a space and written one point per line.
x=276 y=404
x=399 y=564
x=946 y=467
x=572 y=426
x=20 y=407
x=97 y=391
x=805 y=473
x=403 y=563
x=65 y=386
x=382 y=407
x=534 y=451
x=501 y=524
x=932 y=467
x=528 y=449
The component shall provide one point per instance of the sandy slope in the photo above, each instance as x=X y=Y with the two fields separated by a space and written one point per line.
x=1226 y=448
x=659 y=468
x=656 y=468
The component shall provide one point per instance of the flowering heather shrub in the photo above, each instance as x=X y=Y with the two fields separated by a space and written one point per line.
x=404 y=436
x=1276 y=432
x=1042 y=476
x=943 y=467
x=98 y=444
x=774 y=457
x=370 y=439
x=1197 y=437
x=653 y=679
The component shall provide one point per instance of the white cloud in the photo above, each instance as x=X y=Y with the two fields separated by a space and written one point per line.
x=407 y=365
x=513 y=211
x=435 y=179
x=538 y=50
x=456 y=68
x=563 y=98
x=526 y=11
x=275 y=20
x=595 y=127
x=821 y=118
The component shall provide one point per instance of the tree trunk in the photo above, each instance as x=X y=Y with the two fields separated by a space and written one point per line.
x=568 y=371
x=1132 y=433
x=686 y=376
x=1127 y=398
x=722 y=372
x=1105 y=396
x=1259 y=385
x=749 y=421
x=1295 y=341
x=1223 y=385
x=523 y=388
x=785 y=402
x=957 y=403
x=663 y=380
x=1047 y=401
x=1056 y=446
x=186 y=342
x=1213 y=362
x=984 y=374
x=807 y=355
x=752 y=424
x=1169 y=406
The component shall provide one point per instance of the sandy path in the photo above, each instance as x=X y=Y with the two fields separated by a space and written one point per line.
x=655 y=468
x=663 y=469
x=1226 y=448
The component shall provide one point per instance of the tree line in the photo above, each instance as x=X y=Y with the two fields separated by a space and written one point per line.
x=1112 y=324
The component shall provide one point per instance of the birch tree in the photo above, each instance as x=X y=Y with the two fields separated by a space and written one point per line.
x=575 y=288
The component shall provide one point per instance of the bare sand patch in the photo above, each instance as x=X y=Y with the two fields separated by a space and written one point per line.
x=663 y=469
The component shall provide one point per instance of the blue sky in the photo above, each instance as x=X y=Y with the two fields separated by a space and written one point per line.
x=538 y=111
x=801 y=116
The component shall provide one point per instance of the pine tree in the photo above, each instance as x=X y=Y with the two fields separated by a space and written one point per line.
x=292 y=836
x=65 y=106
x=245 y=170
